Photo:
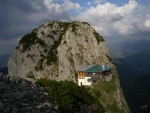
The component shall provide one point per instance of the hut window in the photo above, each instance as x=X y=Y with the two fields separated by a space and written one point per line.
x=89 y=80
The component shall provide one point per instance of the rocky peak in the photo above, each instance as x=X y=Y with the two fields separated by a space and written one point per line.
x=56 y=49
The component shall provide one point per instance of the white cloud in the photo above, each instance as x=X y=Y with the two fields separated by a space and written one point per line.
x=57 y=9
x=129 y=20
x=99 y=1
x=109 y=19
x=147 y=23
x=47 y=2
x=36 y=6
x=89 y=3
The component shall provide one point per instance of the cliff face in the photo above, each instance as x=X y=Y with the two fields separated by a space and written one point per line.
x=56 y=50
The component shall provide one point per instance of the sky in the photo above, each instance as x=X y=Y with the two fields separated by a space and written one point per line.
x=115 y=20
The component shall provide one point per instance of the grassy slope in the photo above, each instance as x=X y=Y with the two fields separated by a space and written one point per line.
x=109 y=95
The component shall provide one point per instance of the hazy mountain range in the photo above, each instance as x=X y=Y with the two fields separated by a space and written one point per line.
x=3 y=63
x=3 y=60
x=137 y=95
x=133 y=64
x=131 y=59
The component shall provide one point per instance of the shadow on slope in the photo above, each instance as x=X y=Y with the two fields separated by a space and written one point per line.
x=138 y=95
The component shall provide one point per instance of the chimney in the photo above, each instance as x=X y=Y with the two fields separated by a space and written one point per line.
x=103 y=67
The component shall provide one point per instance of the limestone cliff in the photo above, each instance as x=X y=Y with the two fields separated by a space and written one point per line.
x=55 y=50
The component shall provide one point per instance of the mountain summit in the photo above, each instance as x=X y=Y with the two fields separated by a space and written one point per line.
x=56 y=50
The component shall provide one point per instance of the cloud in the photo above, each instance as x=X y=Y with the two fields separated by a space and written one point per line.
x=19 y=17
x=113 y=21
x=59 y=9
x=147 y=23
x=7 y=46
x=99 y=1
x=89 y=3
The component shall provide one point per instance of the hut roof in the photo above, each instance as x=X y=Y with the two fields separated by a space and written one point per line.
x=94 y=68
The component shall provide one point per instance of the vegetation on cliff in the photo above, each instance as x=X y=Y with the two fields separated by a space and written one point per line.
x=107 y=93
x=28 y=40
x=50 y=55
x=69 y=97
x=98 y=37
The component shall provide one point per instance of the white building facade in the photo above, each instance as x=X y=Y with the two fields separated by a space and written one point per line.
x=86 y=81
x=89 y=74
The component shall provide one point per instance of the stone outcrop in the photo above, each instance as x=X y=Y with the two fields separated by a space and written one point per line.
x=21 y=96
x=56 y=49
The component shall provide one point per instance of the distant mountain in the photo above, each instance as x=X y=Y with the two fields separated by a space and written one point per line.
x=3 y=60
x=127 y=72
x=4 y=70
x=132 y=67
x=127 y=48
x=138 y=95
x=132 y=60
x=139 y=45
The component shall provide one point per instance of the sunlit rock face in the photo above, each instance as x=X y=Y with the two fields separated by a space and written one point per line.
x=56 y=49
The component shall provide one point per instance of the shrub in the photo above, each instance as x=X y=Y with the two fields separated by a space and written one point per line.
x=98 y=37
x=67 y=95
x=74 y=26
x=109 y=58
x=28 y=40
